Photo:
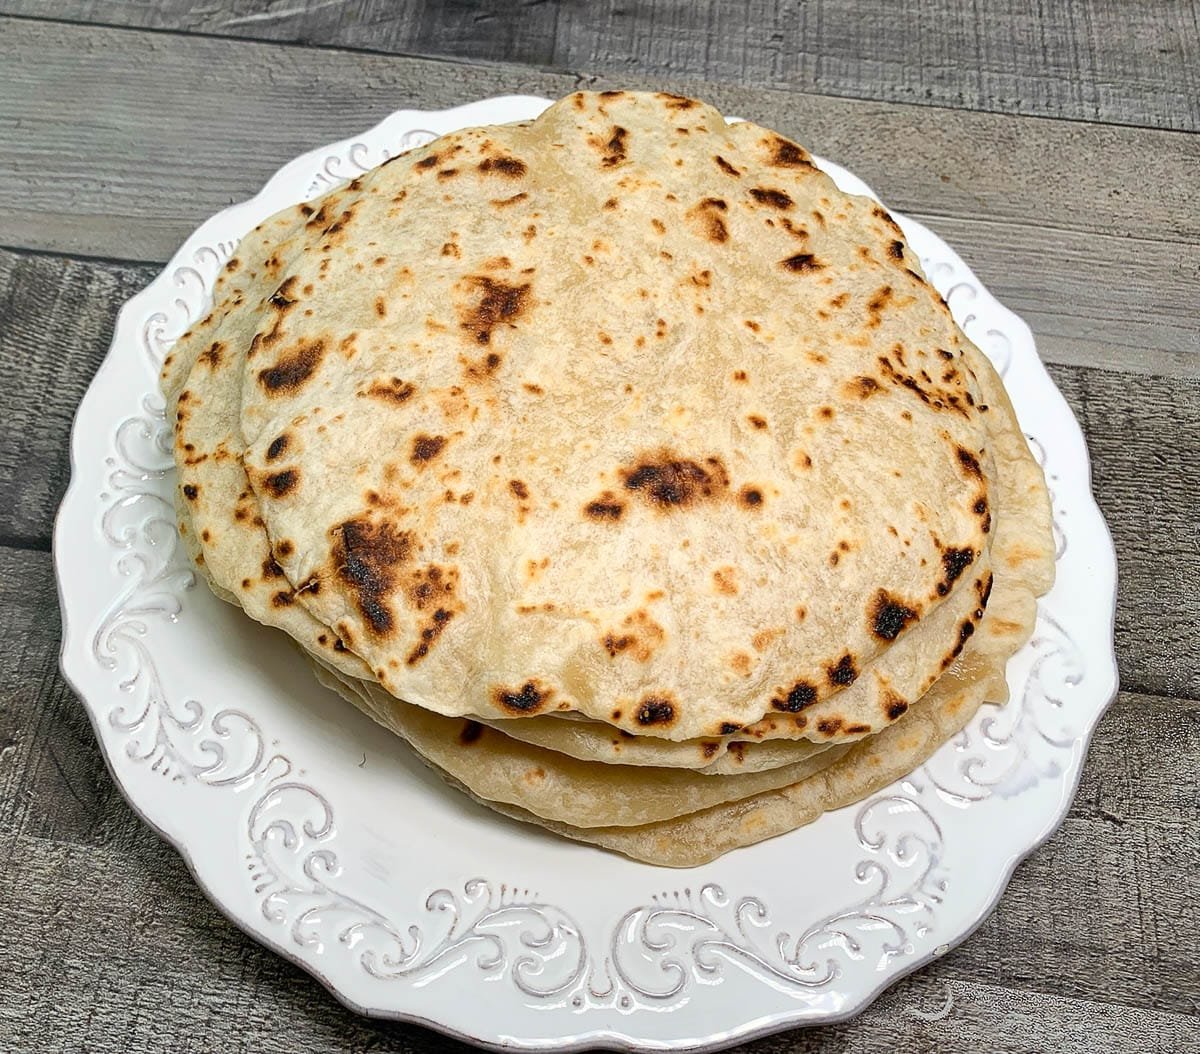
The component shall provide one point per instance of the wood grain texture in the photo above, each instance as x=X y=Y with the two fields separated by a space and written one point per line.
x=119 y=952
x=104 y=926
x=57 y=321
x=124 y=141
x=1132 y=63
x=1146 y=488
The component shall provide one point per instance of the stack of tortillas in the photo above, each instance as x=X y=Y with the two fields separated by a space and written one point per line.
x=622 y=465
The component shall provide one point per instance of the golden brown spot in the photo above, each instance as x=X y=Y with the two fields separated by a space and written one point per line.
x=741 y=663
x=863 y=387
x=366 y=556
x=725 y=166
x=876 y=305
x=613 y=150
x=291 y=372
x=707 y=218
x=889 y=616
x=802 y=263
x=496 y=303
x=777 y=199
x=503 y=203
x=757 y=421
x=740 y=376
x=638 y=634
x=606 y=507
x=894 y=706
x=518 y=488
x=725 y=581
x=667 y=481
x=280 y=484
x=510 y=167
x=969 y=463
x=655 y=710
x=529 y=698
x=764 y=638
x=393 y=390
x=614 y=645
x=954 y=562
x=425 y=448
x=750 y=497
x=429 y=634
x=211 y=356
x=451 y=249
x=843 y=673
x=880 y=213
x=794 y=699
x=787 y=154
x=321 y=217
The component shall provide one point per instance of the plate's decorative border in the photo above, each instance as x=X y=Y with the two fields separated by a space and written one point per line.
x=659 y=954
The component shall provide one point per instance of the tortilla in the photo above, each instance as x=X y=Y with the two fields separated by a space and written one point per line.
x=545 y=420
x=1025 y=570
x=553 y=786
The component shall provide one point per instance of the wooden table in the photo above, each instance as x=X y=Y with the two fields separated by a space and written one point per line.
x=1053 y=144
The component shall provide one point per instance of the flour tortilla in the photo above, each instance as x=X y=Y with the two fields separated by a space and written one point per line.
x=553 y=786
x=216 y=505
x=492 y=470
x=218 y=515
x=1025 y=547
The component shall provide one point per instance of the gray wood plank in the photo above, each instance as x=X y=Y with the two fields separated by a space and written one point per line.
x=112 y=952
x=1145 y=473
x=58 y=318
x=1143 y=431
x=150 y=117
x=123 y=141
x=1126 y=859
x=1124 y=63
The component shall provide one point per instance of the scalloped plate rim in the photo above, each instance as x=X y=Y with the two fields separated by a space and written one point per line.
x=603 y=1038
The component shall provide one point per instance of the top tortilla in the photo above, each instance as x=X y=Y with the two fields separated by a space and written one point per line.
x=626 y=412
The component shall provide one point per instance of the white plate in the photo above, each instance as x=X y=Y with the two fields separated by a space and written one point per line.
x=318 y=834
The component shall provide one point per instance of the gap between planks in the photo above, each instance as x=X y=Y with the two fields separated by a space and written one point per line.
x=1020 y=58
